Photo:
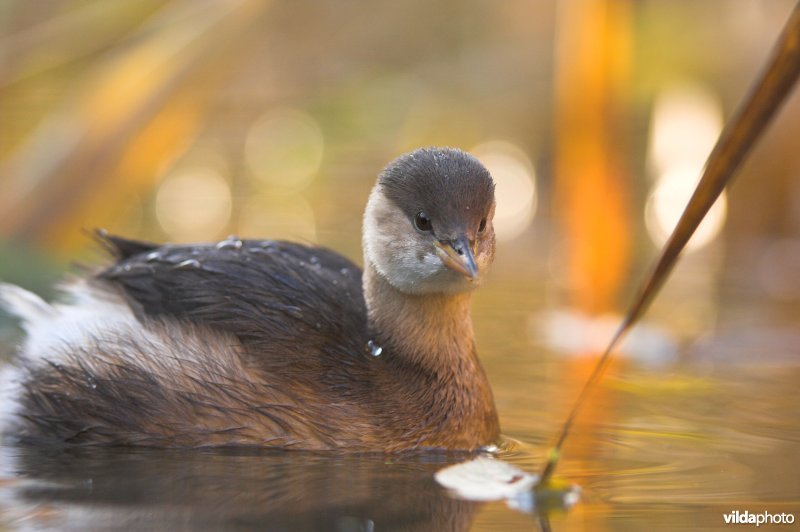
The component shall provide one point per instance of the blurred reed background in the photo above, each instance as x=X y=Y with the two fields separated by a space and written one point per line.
x=183 y=120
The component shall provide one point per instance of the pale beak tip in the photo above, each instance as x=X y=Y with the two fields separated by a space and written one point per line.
x=457 y=255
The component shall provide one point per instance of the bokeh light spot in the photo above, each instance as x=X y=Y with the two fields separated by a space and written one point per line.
x=193 y=204
x=515 y=189
x=667 y=202
x=284 y=149
x=687 y=120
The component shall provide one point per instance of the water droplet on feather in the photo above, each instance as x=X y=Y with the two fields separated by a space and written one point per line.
x=232 y=242
x=188 y=264
x=374 y=349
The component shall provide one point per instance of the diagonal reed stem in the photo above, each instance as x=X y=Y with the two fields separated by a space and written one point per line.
x=741 y=133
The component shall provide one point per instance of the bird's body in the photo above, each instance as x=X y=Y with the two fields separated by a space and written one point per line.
x=264 y=343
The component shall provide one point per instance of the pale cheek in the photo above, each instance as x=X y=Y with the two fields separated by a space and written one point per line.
x=430 y=265
x=407 y=268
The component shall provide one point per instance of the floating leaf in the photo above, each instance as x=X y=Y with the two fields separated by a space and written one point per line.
x=486 y=479
x=489 y=479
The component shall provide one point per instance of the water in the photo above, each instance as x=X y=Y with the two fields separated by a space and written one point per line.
x=659 y=448
x=121 y=488
x=662 y=444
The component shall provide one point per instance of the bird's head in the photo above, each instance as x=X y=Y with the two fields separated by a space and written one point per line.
x=428 y=223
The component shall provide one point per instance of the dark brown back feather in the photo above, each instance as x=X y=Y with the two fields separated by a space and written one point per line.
x=277 y=298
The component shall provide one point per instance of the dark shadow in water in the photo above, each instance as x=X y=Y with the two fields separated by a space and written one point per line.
x=119 y=488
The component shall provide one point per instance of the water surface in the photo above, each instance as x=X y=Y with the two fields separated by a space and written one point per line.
x=664 y=446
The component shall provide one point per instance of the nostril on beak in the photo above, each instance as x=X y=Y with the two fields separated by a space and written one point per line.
x=461 y=247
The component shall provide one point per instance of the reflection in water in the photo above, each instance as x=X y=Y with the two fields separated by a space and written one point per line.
x=120 y=488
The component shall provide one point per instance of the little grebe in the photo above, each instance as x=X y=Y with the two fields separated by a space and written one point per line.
x=276 y=344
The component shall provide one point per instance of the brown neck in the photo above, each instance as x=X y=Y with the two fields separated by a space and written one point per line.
x=431 y=330
x=433 y=333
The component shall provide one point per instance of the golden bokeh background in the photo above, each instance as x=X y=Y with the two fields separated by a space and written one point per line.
x=183 y=121
x=190 y=120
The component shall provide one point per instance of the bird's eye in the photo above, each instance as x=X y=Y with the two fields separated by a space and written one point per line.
x=422 y=222
x=482 y=227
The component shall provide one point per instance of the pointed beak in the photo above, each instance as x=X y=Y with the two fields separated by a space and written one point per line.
x=458 y=255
